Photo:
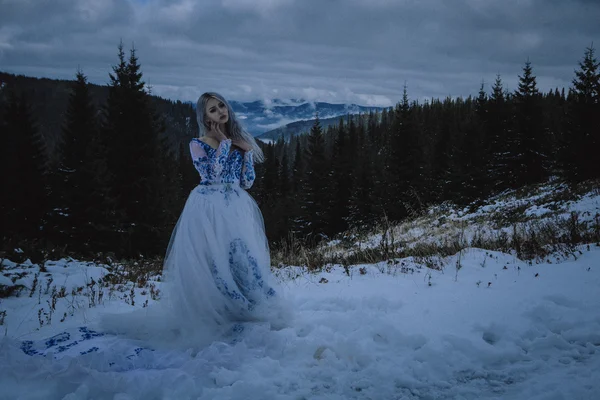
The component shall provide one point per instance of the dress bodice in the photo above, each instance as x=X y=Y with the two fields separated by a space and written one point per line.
x=222 y=165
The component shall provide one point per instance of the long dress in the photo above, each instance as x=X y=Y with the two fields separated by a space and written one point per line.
x=217 y=266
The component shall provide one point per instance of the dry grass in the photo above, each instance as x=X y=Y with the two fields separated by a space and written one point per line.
x=441 y=231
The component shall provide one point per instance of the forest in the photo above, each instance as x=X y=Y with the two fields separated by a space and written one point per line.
x=88 y=170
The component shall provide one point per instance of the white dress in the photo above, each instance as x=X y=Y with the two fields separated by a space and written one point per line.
x=217 y=267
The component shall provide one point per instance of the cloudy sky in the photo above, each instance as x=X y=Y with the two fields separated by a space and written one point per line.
x=340 y=51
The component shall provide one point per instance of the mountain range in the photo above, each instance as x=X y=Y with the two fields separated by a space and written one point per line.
x=275 y=118
x=272 y=119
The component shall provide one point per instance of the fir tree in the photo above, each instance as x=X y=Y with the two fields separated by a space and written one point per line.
x=298 y=168
x=362 y=210
x=583 y=130
x=404 y=165
x=338 y=212
x=315 y=194
x=500 y=138
x=586 y=83
x=74 y=179
x=475 y=149
x=298 y=180
x=284 y=176
x=270 y=191
x=188 y=176
x=528 y=149
x=284 y=202
x=135 y=158
x=24 y=166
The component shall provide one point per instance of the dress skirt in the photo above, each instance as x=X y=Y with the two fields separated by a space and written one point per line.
x=216 y=272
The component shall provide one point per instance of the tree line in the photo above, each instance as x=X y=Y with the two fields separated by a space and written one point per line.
x=117 y=177
x=111 y=181
x=395 y=163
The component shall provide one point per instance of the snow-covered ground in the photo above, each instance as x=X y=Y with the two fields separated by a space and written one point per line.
x=384 y=332
x=485 y=326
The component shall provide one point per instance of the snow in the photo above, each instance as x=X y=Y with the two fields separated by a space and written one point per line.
x=479 y=324
x=447 y=223
x=266 y=140
x=374 y=332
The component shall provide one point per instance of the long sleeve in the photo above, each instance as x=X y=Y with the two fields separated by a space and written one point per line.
x=248 y=174
x=210 y=165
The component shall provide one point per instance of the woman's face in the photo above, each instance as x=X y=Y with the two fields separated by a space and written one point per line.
x=216 y=111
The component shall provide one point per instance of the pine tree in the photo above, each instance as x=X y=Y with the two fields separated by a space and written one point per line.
x=315 y=195
x=285 y=186
x=100 y=211
x=475 y=149
x=587 y=79
x=555 y=112
x=24 y=166
x=583 y=131
x=362 y=208
x=73 y=182
x=448 y=166
x=298 y=182
x=500 y=138
x=188 y=177
x=270 y=191
x=8 y=155
x=134 y=160
x=270 y=178
x=298 y=168
x=284 y=205
x=404 y=165
x=338 y=212
x=529 y=153
x=168 y=189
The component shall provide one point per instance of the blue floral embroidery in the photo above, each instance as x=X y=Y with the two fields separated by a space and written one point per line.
x=224 y=165
x=224 y=287
x=211 y=165
x=61 y=342
x=248 y=175
x=27 y=348
x=60 y=349
x=91 y=350
x=80 y=341
x=250 y=286
x=227 y=190
x=54 y=340
x=87 y=334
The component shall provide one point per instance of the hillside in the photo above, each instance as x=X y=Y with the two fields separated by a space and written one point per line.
x=535 y=223
x=49 y=99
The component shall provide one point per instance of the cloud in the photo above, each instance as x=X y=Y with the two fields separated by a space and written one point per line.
x=343 y=51
x=261 y=7
x=275 y=125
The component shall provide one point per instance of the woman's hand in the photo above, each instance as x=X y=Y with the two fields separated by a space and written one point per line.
x=216 y=129
x=241 y=144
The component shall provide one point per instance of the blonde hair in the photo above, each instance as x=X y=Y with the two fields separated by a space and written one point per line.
x=235 y=130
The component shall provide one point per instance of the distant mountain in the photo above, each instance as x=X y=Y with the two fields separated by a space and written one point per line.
x=297 y=128
x=261 y=118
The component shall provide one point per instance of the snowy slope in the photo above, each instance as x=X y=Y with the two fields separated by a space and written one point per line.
x=484 y=326
x=553 y=206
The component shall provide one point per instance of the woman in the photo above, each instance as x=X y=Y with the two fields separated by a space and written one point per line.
x=217 y=267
